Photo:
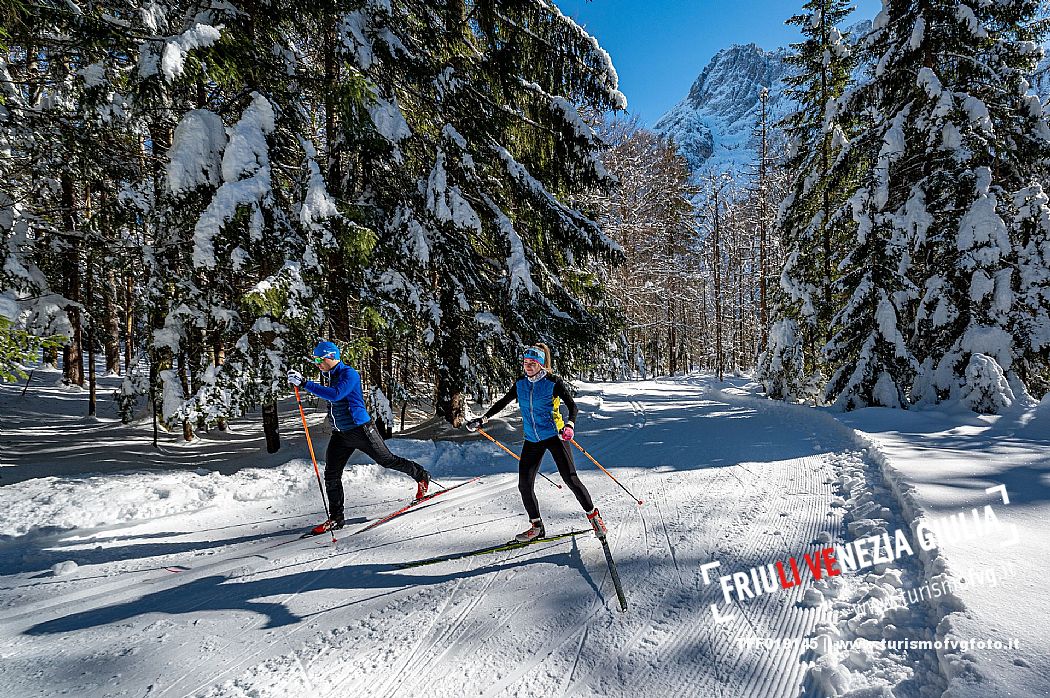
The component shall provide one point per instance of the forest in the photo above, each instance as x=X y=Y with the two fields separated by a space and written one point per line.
x=195 y=192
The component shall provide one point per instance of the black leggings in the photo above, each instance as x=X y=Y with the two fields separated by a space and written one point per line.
x=365 y=438
x=531 y=455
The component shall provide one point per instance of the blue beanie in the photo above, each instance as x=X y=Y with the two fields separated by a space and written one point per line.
x=327 y=350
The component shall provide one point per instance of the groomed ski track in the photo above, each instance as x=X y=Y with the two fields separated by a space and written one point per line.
x=724 y=475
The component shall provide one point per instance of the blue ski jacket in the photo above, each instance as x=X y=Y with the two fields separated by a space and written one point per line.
x=346 y=403
x=539 y=401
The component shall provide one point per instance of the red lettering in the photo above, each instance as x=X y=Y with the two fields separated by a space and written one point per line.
x=830 y=563
x=814 y=565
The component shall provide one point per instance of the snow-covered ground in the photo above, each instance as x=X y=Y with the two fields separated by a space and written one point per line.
x=176 y=572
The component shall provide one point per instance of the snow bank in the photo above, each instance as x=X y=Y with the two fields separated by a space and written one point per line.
x=105 y=500
x=958 y=668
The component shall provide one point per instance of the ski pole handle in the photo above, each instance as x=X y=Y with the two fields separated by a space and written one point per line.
x=515 y=455
x=584 y=452
x=310 y=444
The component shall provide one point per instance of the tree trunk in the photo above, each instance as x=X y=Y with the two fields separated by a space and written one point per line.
x=375 y=376
x=218 y=356
x=91 y=343
x=112 y=334
x=717 y=296
x=129 y=323
x=187 y=428
x=72 y=354
x=91 y=372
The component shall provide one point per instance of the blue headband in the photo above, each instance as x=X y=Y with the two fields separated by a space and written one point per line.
x=536 y=355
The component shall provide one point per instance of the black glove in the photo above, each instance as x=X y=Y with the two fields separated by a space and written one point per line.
x=475 y=424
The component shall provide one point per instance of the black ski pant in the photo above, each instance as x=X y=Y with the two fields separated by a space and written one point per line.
x=531 y=455
x=366 y=439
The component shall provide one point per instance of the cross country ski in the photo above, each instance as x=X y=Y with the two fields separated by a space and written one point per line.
x=502 y=547
x=412 y=505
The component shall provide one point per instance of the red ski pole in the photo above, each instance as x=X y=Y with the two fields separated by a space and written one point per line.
x=310 y=444
x=606 y=472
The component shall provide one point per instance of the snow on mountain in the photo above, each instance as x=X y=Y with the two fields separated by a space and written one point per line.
x=714 y=125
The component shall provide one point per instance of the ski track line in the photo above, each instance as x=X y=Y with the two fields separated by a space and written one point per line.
x=394 y=677
x=653 y=606
x=416 y=657
x=262 y=645
x=660 y=607
x=314 y=563
x=702 y=627
x=659 y=604
x=419 y=662
x=567 y=681
x=448 y=639
x=757 y=670
x=247 y=654
x=549 y=648
x=315 y=620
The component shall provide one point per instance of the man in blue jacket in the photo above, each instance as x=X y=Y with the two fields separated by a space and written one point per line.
x=352 y=430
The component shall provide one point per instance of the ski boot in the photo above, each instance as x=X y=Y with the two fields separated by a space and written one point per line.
x=422 y=486
x=535 y=531
x=329 y=525
x=597 y=524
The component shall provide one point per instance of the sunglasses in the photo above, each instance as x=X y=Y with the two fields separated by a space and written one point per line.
x=319 y=359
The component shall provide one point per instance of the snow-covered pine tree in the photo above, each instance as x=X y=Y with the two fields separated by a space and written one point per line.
x=1030 y=313
x=68 y=151
x=980 y=148
x=241 y=207
x=873 y=364
x=482 y=248
x=811 y=233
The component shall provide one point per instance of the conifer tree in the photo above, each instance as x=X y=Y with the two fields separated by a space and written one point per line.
x=953 y=135
x=242 y=211
x=810 y=222
x=481 y=248
x=984 y=143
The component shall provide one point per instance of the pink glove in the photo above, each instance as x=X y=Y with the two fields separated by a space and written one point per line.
x=567 y=433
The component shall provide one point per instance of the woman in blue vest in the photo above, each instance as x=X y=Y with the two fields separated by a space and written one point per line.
x=352 y=430
x=539 y=394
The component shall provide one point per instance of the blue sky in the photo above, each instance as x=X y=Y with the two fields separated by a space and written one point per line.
x=660 y=47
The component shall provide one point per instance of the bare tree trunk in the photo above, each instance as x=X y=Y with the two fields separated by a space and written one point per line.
x=219 y=358
x=375 y=375
x=91 y=370
x=716 y=264
x=187 y=428
x=129 y=323
x=763 y=193
x=89 y=273
x=112 y=334
x=73 y=359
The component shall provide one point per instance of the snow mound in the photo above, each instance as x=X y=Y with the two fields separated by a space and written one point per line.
x=104 y=500
x=61 y=569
